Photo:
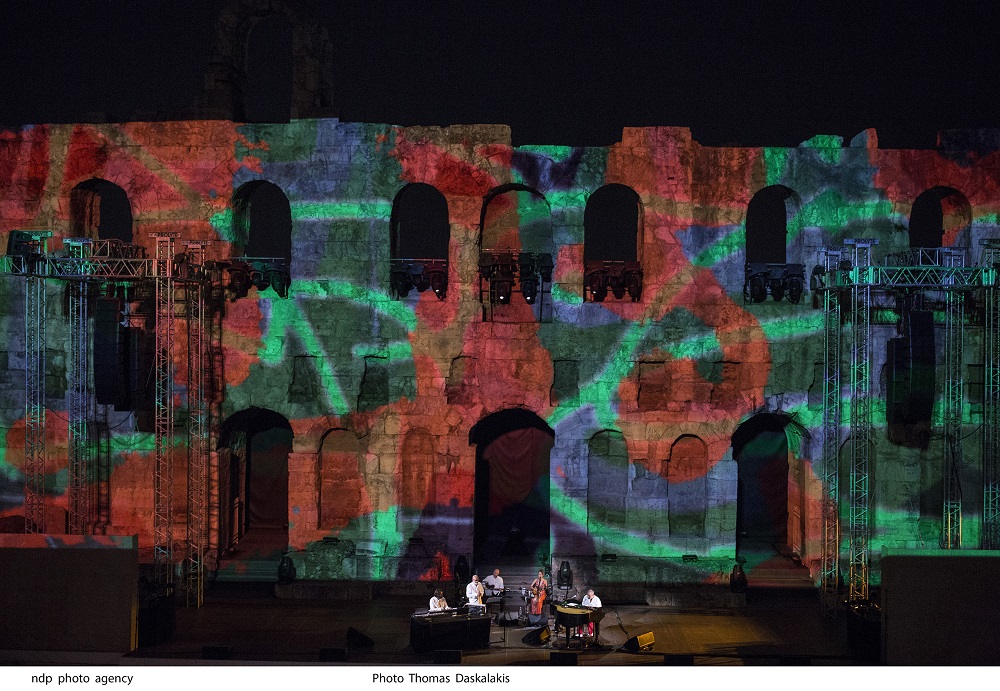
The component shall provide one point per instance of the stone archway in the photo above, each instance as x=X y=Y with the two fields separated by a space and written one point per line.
x=511 y=513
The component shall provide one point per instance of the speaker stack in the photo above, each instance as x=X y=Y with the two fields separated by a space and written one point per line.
x=910 y=375
x=109 y=353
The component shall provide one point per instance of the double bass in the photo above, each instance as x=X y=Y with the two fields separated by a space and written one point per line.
x=538 y=595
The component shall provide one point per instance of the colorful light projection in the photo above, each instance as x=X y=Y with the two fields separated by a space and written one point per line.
x=688 y=361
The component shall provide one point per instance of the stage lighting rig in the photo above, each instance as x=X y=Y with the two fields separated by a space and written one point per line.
x=614 y=276
x=407 y=274
x=777 y=279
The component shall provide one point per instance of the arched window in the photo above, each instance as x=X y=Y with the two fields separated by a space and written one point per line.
x=612 y=243
x=262 y=221
x=419 y=235
x=100 y=210
x=516 y=250
x=938 y=217
x=266 y=84
x=767 y=225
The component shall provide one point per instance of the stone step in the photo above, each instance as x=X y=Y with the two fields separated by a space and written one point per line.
x=248 y=570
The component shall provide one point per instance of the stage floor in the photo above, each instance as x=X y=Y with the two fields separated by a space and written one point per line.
x=776 y=627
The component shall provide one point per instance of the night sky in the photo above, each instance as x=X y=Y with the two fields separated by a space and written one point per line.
x=746 y=73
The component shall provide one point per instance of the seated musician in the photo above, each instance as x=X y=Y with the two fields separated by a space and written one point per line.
x=494 y=583
x=475 y=591
x=437 y=603
x=590 y=600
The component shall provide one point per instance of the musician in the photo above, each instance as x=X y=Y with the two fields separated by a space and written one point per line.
x=590 y=600
x=475 y=591
x=494 y=583
x=538 y=594
x=437 y=603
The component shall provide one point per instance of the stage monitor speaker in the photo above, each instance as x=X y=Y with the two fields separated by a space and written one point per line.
x=109 y=353
x=447 y=657
x=508 y=618
x=216 y=652
x=563 y=658
x=641 y=643
x=539 y=636
x=333 y=655
x=356 y=639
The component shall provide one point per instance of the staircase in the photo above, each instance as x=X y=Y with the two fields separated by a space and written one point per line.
x=774 y=566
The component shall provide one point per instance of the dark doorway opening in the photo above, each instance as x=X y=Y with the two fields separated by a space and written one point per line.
x=760 y=448
x=254 y=484
x=511 y=513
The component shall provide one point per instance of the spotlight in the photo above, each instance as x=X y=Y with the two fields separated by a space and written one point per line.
x=529 y=288
x=633 y=284
x=545 y=267
x=501 y=291
x=239 y=283
x=598 y=288
x=419 y=279
x=777 y=289
x=439 y=284
x=617 y=287
x=795 y=288
x=400 y=283
x=758 y=289
x=279 y=281
x=259 y=279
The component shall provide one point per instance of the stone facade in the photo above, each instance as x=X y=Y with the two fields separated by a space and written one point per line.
x=381 y=393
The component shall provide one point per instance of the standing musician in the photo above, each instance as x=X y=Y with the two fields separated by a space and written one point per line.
x=494 y=582
x=538 y=594
x=475 y=591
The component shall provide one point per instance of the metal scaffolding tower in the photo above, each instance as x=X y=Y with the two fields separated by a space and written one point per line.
x=79 y=393
x=830 y=570
x=163 y=476
x=940 y=271
x=990 y=263
x=861 y=417
x=198 y=418
x=34 y=384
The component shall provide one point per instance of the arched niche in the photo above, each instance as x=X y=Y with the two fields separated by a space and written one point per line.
x=687 y=471
x=607 y=482
x=262 y=221
x=516 y=218
x=767 y=224
x=612 y=225
x=940 y=217
x=100 y=210
x=341 y=484
x=419 y=227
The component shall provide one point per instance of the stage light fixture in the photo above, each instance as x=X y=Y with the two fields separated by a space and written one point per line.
x=421 y=281
x=439 y=284
x=280 y=281
x=529 y=288
x=633 y=284
x=239 y=282
x=399 y=282
x=617 y=285
x=598 y=286
x=545 y=267
x=795 y=289
x=501 y=291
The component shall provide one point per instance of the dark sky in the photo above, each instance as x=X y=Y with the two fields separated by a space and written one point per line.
x=559 y=73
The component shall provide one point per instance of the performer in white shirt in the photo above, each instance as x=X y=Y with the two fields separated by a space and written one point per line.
x=494 y=582
x=437 y=603
x=474 y=591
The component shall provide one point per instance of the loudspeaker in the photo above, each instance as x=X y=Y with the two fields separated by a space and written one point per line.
x=539 y=636
x=140 y=347
x=447 y=657
x=563 y=658
x=356 y=639
x=216 y=652
x=108 y=355
x=333 y=655
x=507 y=618
x=643 y=642
x=910 y=386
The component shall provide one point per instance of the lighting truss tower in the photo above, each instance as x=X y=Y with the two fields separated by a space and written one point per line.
x=861 y=416
x=163 y=280
x=198 y=417
x=991 y=394
x=830 y=574
x=80 y=456
x=34 y=387
x=954 y=318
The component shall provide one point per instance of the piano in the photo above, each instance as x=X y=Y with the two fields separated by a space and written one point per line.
x=571 y=615
x=453 y=629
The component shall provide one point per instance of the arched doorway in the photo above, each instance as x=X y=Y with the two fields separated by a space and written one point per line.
x=760 y=448
x=253 y=484
x=511 y=513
